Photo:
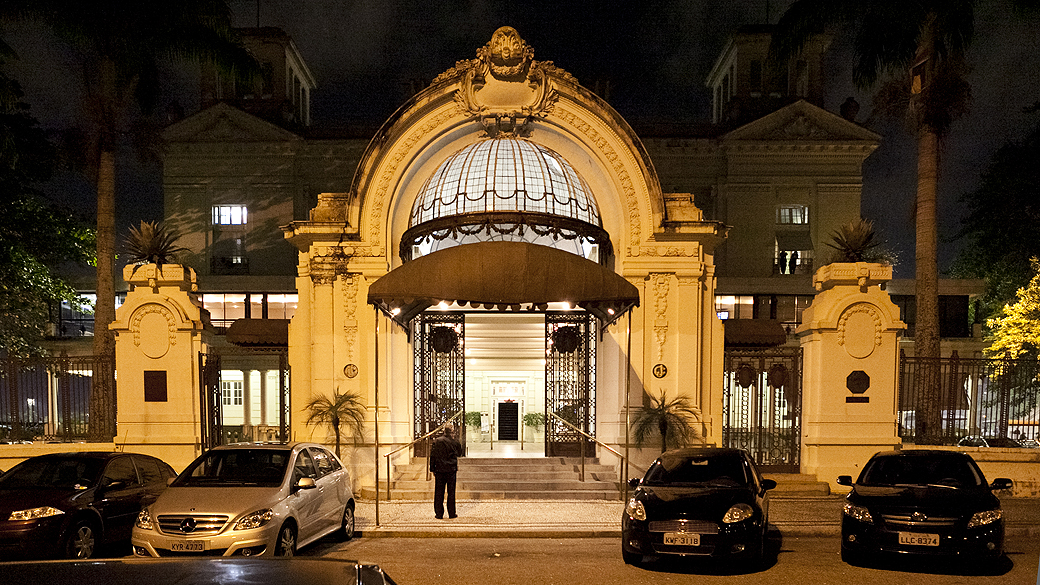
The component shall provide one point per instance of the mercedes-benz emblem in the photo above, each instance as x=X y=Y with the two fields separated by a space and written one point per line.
x=918 y=517
x=188 y=525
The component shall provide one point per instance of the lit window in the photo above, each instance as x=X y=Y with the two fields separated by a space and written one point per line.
x=792 y=214
x=229 y=215
x=231 y=393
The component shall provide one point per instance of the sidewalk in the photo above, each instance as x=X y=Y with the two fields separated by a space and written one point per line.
x=792 y=516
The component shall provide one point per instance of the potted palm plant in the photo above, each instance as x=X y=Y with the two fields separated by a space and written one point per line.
x=858 y=257
x=676 y=421
x=342 y=409
x=149 y=247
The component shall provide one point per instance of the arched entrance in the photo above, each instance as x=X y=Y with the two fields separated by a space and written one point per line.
x=429 y=204
x=516 y=277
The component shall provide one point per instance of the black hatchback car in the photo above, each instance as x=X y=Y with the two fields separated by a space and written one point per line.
x=69 y=504
x=922 y=502
x=698 y=501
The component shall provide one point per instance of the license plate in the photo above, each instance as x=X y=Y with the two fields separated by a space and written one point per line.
x=682 y=539
x=189 y=546
x=918 y=539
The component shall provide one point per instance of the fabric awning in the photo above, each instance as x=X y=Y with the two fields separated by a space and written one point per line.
x=793 y=241
x=754 y=332
x=502 y=275
x=259 y=332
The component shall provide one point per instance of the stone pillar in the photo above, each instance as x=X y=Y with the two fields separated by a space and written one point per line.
x=159 y=334
x=850 y=370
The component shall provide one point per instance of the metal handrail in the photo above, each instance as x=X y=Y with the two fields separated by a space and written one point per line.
x=389 y=478
x=624 y=459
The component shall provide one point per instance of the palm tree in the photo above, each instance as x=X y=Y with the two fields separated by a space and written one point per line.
x=122 y=43
x=675 y=421
x=344 y=408
x=922 y=44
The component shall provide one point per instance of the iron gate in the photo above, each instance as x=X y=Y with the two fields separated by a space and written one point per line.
x=570 y=383
x=762 y=405
x=440 y=373
x=220 y=395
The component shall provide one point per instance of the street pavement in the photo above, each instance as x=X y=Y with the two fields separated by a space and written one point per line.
x=792 y=516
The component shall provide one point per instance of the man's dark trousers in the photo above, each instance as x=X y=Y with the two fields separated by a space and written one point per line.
x=444 y=481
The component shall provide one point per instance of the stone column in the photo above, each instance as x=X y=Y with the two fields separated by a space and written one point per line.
x=160 y=332
x=850 y=370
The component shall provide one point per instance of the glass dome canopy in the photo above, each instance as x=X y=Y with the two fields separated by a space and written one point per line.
x=505 y=189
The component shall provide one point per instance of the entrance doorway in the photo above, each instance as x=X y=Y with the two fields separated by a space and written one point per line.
x=508 y=421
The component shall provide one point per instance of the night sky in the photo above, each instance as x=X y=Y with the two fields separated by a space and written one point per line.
x=656 y=55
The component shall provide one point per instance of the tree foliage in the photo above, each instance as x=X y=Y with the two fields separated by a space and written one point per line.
x=674 y=421
x=342 y=409
x=1015 y=331
x=35 y=236
x=1001 y=229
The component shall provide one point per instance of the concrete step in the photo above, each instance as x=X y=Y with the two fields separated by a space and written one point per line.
x=519 y=478
x=798 y=484
x=399 y=494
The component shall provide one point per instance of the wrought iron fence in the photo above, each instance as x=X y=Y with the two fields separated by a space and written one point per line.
x=969 y=401
x=49 y=399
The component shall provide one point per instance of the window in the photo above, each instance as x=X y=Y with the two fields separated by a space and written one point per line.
x=229 y=215
x=787 y=214
x=231 y=392
x=735 y=306
x=121 y=471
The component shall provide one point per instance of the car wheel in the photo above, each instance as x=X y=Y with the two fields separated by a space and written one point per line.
x=285 y=546
x=631 y=558
x=81 y=541
x=347 y=528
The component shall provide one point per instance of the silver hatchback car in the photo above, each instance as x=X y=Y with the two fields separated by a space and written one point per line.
x=249 y=500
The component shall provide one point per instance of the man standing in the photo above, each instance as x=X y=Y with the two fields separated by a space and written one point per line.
x=444 y=463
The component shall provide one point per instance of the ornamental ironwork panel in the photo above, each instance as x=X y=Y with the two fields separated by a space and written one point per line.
x=570 y=383
x=762 y=405
x=220 y=404
x=973 y=402
x=50 y=399
x=440 y=373
x=209 y=388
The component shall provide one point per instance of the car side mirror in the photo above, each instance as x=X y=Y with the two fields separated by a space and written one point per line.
x=1001 y=483
x=845 y=480
x=634 y=481
x=768 y=484
x=306 y=483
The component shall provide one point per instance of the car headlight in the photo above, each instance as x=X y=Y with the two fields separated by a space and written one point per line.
x=858 y=513
x=254 y=520
x=34 y=513
x=985 y=517
x=635 y=509
x=738 y=513
x=144 y=520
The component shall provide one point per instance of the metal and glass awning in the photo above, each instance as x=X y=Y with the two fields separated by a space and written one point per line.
x=504 y=276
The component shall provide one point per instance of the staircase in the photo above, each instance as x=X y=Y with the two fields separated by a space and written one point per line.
x=797 y=485
x=550 y=478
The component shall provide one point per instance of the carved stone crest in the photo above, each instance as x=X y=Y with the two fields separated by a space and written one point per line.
x=504 y=86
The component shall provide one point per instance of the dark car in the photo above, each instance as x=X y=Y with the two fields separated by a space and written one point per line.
x=922 y=502
x=69 y=504
x=292 y=571
x=701 y=501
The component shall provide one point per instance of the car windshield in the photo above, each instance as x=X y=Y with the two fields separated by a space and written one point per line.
x=943 y=471
x=235 y=467
x=52 y=472
x=684 y=470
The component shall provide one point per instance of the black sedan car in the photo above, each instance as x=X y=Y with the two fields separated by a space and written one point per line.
x=69 y=504
x=922 y=502
x=699 y=501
